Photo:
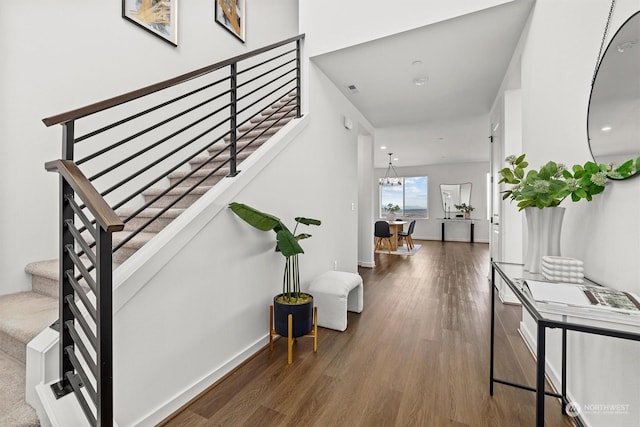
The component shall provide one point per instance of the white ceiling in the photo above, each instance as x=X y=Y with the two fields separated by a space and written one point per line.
x=464 y=59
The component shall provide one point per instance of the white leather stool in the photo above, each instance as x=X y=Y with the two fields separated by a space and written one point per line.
x=335 y=293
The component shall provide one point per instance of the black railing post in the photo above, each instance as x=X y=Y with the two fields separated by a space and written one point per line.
x=298 y=81
x=233 y=121
x=104 y=326
x=63 y=387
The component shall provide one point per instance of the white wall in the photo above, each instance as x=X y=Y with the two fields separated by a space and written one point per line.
x=206 y=309
x=62 y=55
x=558 y=62
x=358 y=21
x=430 y=229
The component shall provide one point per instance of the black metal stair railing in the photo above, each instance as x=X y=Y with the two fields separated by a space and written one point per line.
x=117 y=157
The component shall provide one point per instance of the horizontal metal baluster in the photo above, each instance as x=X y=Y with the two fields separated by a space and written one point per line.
x=81 y=267
x=147 y=111
x=77 y=388
x=155 y=144
x=86 y=381
x=79 y=344
x=79 y=319
x=266 y=96
x=178 y=198
x=80 y=240
x=82 y=294
x=247 y=120
x=88 y=224
x=166 y=156
x=267 y=118
x=268 y=72
x=266 y=61
x=264 y=85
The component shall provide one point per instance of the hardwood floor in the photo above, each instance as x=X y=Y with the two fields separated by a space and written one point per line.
x=418 y=355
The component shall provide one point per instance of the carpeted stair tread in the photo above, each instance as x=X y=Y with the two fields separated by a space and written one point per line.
x=14 y=411
x=177 y=191
x=24 y=315
x=150 y=212
x=46 y=268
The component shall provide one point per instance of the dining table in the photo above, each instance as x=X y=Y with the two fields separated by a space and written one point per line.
x=394 y=228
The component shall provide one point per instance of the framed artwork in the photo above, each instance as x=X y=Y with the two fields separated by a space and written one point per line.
x=159 y=17
x=230 y=14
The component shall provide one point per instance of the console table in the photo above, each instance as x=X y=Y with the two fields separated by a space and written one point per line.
x=550 y=316
x=463 y=220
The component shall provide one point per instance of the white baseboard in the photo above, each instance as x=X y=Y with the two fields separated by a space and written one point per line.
x=185 y=396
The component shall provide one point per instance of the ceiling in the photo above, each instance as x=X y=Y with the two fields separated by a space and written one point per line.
x=464 y=61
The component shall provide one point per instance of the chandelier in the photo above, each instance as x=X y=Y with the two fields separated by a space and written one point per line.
x=388 y=180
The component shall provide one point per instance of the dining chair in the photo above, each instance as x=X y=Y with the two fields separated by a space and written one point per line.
x=407 y=234
x=382 y=232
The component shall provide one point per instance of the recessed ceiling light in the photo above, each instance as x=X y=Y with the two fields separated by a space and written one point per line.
x=606 y=128
x=383 y=147
x=420 y=81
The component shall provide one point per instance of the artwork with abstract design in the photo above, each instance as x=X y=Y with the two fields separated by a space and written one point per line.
x=230 y=14
x=159 y=17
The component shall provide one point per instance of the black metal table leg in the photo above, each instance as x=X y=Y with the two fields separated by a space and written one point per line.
x=493 y=323
x=472 y=226
x=540 y=386
x=443 y=231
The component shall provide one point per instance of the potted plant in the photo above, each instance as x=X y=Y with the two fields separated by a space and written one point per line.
x=466 y=209
x=391 y=209
x=291 y=300
x=540 y=191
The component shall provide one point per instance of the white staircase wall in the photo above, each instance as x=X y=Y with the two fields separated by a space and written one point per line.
x=193 y=303
x=96 y=54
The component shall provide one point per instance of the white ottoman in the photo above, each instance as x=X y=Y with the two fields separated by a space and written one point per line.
x=335 y=292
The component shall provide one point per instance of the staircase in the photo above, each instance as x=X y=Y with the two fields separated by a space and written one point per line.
x=23 y=315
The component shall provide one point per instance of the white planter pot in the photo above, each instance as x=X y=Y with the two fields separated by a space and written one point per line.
x=544 y=227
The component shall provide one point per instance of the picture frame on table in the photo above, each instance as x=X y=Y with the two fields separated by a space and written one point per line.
x=159 y=17
x=231 y=15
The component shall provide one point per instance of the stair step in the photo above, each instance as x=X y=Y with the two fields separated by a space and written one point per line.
x=24 y=315
x=173 y=194
x=14 y=411
x=265 y=121
x=141 y=218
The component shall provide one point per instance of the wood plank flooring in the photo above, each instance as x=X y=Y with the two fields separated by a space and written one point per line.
x=418 y=355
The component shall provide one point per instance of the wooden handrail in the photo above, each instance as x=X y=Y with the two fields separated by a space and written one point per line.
x=104 y=215
x=130 y=96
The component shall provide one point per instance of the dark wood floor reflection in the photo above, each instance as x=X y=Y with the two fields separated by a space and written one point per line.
x=418 y=355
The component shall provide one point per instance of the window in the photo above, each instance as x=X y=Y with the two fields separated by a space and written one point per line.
x=411 y=197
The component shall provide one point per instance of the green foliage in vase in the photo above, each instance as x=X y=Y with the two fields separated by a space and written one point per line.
x=287 y=243
x=553 y=182
x=390 y=207
x=464 y=207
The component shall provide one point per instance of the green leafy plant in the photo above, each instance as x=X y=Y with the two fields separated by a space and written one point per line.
x=464 y=207
x=287 y=243
x=552 y=183
x=390 y=207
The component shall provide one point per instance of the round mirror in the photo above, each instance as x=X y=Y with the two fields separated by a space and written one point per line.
x=613 y=121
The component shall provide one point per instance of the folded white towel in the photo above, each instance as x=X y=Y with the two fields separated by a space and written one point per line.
x=565 y=274
x=562 y=279
x=561 y=260
x=560 y=267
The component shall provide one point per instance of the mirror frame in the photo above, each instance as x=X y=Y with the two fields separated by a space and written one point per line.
x=611 y=49
x=468 y=202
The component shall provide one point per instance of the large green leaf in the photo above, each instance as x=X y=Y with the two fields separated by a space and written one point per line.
x=307 y=221
x=287 y=243
x=256 y=218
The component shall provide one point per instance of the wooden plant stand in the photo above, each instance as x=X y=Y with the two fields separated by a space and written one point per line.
x=290 y=339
